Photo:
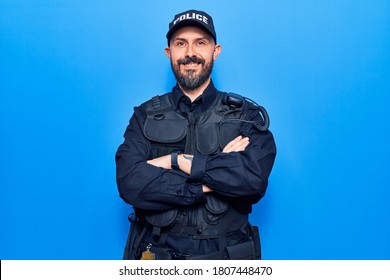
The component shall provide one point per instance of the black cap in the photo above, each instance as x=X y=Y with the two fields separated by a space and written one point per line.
x=192 y=18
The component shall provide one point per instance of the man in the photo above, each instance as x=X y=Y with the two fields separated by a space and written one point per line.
x=194 y=160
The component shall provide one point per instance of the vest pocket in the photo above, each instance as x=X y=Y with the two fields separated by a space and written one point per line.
x=214 y=210
x=161 y=219
x=207 y=138
x=228 y=130
x=165 y=130
x=242 y=251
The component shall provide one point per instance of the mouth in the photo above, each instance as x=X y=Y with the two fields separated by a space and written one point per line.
x=190 y=61
x=191 y=65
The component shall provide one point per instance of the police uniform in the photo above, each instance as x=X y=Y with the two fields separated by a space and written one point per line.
x=173 y=218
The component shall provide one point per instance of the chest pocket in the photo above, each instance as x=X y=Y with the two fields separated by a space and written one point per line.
x=217 y=128
x=213 y=137
x=228 y=130
x=207 y=138
x=167 y=127
x=209 y=131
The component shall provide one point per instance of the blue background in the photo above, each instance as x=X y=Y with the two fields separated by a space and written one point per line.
x=72 y=71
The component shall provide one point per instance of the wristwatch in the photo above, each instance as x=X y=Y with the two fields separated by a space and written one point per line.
x=174 y=162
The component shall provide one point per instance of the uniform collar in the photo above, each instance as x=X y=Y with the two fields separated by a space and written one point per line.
x=205 y=99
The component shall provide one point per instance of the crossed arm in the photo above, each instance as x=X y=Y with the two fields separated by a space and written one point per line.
x=240 y=171
x=185 y=160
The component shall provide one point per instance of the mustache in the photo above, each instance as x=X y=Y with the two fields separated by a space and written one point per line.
x=192 y=59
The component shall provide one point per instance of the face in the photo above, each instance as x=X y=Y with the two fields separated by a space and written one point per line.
x=192 y=52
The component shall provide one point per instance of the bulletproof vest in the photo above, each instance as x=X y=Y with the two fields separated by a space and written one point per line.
x=206 y=133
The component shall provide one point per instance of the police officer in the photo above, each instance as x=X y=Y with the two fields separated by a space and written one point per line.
x=194 y=160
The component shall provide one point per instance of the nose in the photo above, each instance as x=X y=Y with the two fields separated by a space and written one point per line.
x=190 y=51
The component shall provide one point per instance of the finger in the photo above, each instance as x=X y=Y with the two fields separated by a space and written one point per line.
x=241 y=145
x=233 y=142
x=164 y=162
x=236 y=144
x=229 y=145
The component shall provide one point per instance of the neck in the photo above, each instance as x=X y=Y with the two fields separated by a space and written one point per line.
x=195 y=93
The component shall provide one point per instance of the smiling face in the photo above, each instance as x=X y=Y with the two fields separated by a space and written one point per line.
x=192 y=52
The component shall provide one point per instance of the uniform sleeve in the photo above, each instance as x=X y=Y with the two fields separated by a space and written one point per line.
x=239 y=175
x=145 y=186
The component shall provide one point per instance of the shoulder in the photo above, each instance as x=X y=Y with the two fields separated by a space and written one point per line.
x=238 y=100
x=156 y=101
x=251 y=110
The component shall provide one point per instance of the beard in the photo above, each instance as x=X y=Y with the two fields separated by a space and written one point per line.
x=189 y=79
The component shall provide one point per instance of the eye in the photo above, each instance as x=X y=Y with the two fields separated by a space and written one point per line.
x=201 y=43
x=180 y=44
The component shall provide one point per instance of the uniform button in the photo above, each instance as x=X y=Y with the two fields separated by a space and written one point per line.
x=199 y=231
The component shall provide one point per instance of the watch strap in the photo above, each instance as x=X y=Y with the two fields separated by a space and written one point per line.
x=174 y=161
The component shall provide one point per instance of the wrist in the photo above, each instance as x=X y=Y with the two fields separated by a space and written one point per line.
x=174 y=160
x=185 y=162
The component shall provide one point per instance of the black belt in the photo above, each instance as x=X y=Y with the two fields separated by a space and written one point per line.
x=208 y=231
x=241 y=251
x=167 y=254
x=213 y=256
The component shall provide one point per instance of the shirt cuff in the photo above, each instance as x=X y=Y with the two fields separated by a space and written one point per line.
x=198 y=168
x=196 y=190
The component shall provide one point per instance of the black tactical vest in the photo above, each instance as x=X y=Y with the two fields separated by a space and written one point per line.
x=206 y=133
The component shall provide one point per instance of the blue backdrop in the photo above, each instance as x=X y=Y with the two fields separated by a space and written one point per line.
x=72 y=71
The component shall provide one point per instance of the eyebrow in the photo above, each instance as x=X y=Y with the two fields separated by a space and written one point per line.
x=199 y=38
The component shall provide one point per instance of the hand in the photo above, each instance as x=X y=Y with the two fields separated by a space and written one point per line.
x=236 y=145
x=164 y=162
x=206 y=189
x=184 y=162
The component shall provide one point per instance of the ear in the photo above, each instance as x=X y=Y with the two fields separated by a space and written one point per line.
x=217 y=51
x=167 y=51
